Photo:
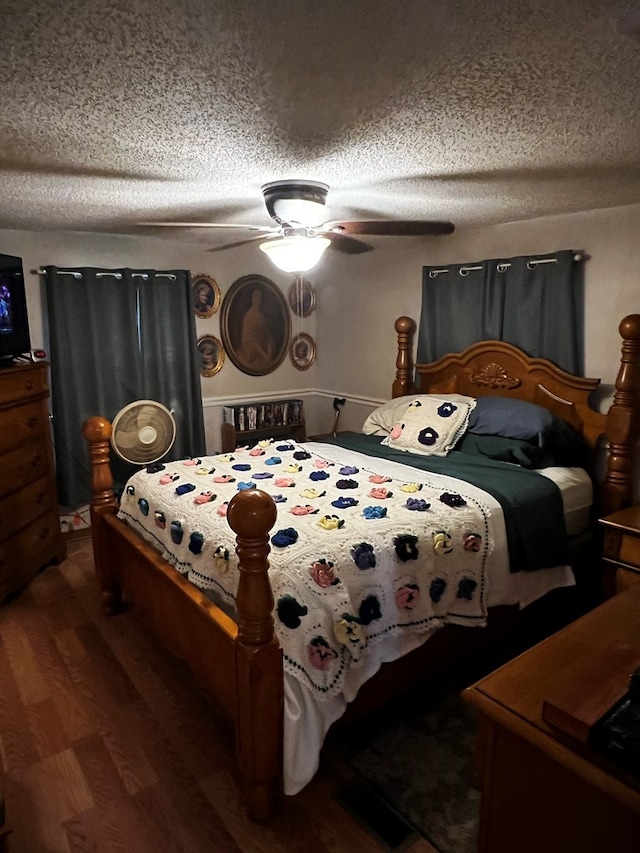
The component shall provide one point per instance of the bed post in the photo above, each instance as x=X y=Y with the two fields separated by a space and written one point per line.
x=623 y=421
x=259 y=675
x=97 y=432
x=403 y=384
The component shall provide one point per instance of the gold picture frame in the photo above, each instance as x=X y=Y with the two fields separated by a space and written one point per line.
x=211 y=355
x=205 y=295
x=302 y=297
x=302 y=351
x=255 y=324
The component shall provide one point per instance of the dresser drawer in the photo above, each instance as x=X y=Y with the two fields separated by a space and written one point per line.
x=23 y=383
x=23 y=424
x=21 y=467
x=22 y=507
x=26 y=546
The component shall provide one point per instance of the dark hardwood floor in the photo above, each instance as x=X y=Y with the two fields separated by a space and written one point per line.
x=108 y=745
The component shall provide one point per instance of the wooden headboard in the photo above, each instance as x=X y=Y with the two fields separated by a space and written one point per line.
x=499 y=368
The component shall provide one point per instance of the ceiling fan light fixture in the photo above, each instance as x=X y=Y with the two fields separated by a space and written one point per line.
x=296 y=253
x=299 y=211
x=296 y=201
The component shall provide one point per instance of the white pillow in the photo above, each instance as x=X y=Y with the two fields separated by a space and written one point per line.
x=431 y=426
x=383 y=419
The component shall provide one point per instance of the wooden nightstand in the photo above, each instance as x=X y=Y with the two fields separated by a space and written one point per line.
x=621 y=549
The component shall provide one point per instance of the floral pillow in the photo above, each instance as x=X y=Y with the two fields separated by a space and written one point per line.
x=431 y=426
x=383 y=418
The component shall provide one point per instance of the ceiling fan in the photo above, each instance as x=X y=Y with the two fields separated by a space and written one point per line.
x=298 y=209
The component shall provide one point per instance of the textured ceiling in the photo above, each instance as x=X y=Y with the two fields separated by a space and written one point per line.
x=117 y=111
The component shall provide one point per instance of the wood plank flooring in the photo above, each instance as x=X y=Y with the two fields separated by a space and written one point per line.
x=107 y=744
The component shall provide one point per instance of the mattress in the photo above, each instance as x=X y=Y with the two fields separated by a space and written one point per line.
x=576 y=488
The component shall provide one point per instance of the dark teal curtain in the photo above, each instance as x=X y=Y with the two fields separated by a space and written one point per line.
x=534 y=302
x=117 y=336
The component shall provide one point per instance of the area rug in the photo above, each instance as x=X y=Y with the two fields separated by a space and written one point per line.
x=418 y=755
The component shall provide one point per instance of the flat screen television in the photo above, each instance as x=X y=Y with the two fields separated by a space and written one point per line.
x=14 y=321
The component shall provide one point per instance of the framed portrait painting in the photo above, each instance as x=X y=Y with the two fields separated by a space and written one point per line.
x=211 y=355
x=302 y=351
x=255 y=325
x=205 y=295
x=302 y=297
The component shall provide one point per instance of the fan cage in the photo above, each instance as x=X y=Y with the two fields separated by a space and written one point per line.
x=143 y=432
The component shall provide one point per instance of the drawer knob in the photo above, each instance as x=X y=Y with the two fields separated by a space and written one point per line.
x=29 y=385
x=37 y=460
x=32 y=422
x=40 y=497
x=44 y=533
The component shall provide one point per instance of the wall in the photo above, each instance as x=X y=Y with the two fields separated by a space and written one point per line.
x=363 y=295
x=360 y=296
x=230 y=385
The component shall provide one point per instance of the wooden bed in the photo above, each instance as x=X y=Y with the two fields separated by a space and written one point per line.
x=240 y=662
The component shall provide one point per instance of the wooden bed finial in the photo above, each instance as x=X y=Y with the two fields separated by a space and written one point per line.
x=405 y=327
x=97 y=432
x=260 y=689
x=623 y=424
x=251 y=515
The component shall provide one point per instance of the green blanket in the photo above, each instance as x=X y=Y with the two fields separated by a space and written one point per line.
x=531 y=503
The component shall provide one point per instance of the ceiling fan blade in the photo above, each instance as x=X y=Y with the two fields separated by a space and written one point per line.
x=390 y=228
x=348 y=245
x=264 y=229
x=238 y=243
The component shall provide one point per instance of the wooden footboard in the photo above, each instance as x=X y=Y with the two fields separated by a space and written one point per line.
x=238 y=663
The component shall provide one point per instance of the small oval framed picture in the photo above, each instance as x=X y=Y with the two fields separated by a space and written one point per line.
x=205 y=294
x=302 y=351
x=302 y=297
x=211 y=355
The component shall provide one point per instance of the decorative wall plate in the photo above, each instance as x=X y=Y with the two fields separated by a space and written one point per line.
x=302 y=297
x=211 y=355
x=302 y=351
x=205 y=294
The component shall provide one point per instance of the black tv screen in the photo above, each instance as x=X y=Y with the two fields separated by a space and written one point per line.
x=14 y=322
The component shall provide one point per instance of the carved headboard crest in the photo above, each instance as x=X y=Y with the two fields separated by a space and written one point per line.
x=493 y=375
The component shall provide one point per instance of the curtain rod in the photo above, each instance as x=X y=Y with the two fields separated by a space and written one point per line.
x=117 y=275
x=503 y=266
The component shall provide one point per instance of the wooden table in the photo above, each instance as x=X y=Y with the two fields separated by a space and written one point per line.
x=545 y=790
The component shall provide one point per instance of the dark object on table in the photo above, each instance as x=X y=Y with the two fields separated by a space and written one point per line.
x=618 y=733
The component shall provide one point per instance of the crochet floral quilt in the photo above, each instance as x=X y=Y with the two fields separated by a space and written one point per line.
x=356 y=555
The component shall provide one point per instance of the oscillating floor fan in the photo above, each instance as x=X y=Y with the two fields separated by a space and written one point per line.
x=143 y=432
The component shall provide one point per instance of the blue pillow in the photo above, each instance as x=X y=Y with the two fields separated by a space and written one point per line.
x=512 y=419
x=529 y=422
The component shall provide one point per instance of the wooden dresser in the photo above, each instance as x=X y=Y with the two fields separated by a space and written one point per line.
x=545 y=786
x=30 y=535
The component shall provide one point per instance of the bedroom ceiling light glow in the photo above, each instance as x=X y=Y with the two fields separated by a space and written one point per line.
x=300 y=211
x=296 y=253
